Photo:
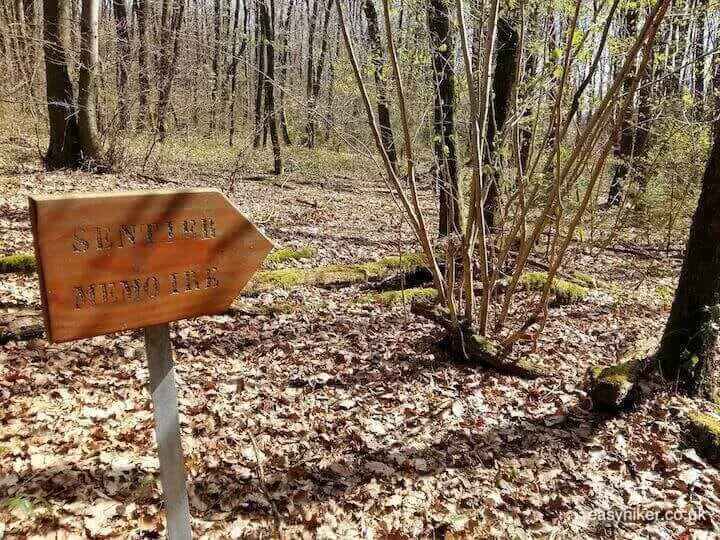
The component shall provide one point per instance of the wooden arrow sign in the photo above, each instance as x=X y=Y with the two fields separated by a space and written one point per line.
x=113 y=262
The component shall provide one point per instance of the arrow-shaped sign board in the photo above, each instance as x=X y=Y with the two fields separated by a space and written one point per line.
x=111 y=262
x=114 y=262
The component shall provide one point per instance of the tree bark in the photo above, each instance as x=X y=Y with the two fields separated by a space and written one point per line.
x=686 y=353
x=143 y=65
x=310 y=125
x=378 y=60
x=172 y=14
x=283 y=79
x=317 y=79
x=236 y=54
x=64 y=145
x=89 y=62
x=624 y=149
x=122 y=30
x=699 y=50
x=503 y=88
x=261 y=51
x=442 y=47
x=267 y=20
x=217 y=6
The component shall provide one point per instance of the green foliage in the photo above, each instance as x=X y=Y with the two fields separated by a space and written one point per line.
x=20 y=263
x=394 y=297
x=291 y=254
x=671 y=172
x=565 y=292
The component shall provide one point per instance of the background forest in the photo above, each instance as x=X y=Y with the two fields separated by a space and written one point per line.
x=470 y=326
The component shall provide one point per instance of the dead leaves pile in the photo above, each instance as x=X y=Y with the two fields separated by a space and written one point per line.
x=340 y=421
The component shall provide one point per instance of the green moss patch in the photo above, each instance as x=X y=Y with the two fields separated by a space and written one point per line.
x=665 y=294
x=23 y=263
x=417 y=294
x=565 y=292
x=283 y=278
x=334 y=275
x=615 y=387
x=703 y=434
x=586 y=280
x=291 y=254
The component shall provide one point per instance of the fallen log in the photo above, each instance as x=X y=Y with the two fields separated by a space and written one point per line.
x=466 y=344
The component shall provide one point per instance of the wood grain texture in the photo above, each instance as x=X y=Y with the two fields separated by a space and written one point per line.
x=111 y=262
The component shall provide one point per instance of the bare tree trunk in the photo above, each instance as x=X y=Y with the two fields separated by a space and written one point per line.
x=624 y=150
x=317 y=78
x=643 y=129
x=89 y=62
x=122 y=30
x=687 y=350
x=503 y=87
x=260 y=50
x=331 y=90
x=172 y=14
x=64 y=146
x=699 y=50
x=283 y=79
x=217 y=6
x=386 y=132
x=236 y=54
x=143 y=65
x=442 y=48
x=267 y=19
x=310 y=125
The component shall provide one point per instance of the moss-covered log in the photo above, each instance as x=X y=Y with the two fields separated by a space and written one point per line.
x=702 y=432
x=467 y=345
x=566 y=292
x=415 y=294
x=336 y=276
x=22 y=263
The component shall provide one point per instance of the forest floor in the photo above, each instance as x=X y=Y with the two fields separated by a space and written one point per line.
x=335 y=418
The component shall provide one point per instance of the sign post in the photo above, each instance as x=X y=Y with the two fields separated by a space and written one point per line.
x=113 y=262
x=167 y=430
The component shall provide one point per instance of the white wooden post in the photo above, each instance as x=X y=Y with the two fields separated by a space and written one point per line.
x=167 y=431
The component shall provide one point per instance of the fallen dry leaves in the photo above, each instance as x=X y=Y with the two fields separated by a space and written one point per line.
x=360 y=430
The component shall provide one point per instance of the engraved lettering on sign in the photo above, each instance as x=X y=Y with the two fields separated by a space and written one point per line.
x=191 y=281
x=126 y=235
x=174 y=283
x=212 y=280
x=79 y=243
x=143 y=289
x=135 y=290
x=103 y=238
x=84 y=296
